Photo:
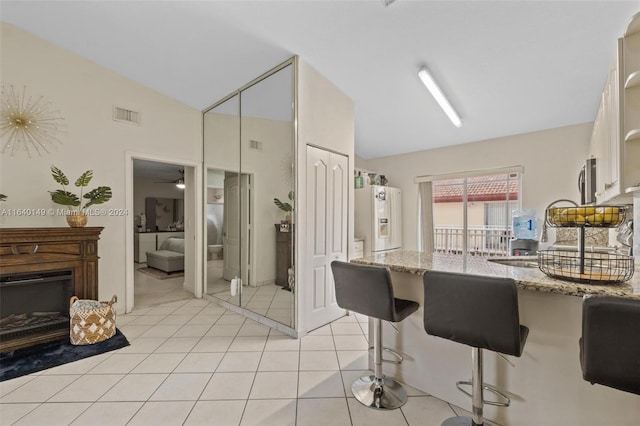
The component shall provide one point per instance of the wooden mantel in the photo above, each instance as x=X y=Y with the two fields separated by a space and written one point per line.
x=31 y=250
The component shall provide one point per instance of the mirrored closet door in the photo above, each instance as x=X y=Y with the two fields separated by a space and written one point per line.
x=222 y=204
x=250 y=205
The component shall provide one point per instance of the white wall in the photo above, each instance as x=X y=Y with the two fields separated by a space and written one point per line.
x=326 y=119
x=551 y=158
x=85 y=94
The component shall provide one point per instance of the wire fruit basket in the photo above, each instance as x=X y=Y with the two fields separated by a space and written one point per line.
x=581 y=265
x=591 y=268
x=591 y=216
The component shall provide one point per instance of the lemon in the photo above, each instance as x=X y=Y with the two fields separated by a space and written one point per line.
x=610 y=210
x=555 y=220
x=610 y=215
x=580 y=220
x=595 y=219
x=567 y=216
x=586 y=210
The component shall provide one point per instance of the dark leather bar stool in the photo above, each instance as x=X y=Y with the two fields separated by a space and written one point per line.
x=610 y=343
x=367 y=290
x=481 y=312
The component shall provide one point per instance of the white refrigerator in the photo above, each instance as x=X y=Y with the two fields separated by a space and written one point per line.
x=378 y=218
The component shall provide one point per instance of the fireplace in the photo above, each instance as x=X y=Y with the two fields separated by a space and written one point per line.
x=40 y=269
x=34 y=303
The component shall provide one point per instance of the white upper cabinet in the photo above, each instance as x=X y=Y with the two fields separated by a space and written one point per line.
x=631 y=78
x=615 y=142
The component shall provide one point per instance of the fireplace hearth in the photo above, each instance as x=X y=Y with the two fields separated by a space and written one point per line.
x=40 y=269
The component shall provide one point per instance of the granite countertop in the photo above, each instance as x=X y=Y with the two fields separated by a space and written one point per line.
x=414 y=262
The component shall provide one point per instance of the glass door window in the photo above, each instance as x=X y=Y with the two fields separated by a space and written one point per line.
x=473 y=214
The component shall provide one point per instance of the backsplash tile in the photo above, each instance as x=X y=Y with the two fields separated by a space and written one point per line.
x=596 y=237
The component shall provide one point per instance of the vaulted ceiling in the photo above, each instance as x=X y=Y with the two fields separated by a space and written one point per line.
x=508 y=67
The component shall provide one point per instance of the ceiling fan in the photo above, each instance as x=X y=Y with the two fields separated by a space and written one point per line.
x=178 y=182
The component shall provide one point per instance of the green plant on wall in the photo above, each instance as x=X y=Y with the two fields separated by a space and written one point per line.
x=285 y=206
x=3 y=197
x=99 y=195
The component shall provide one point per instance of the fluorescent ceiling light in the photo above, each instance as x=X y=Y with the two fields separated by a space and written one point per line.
x=433 y=87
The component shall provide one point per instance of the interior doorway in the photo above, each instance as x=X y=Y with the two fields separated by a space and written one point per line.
x=162 y=236
x=158 y=242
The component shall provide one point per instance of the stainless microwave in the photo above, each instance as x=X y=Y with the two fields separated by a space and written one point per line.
x=587 y=182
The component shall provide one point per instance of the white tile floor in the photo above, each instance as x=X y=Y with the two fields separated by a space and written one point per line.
x=151 y=291
x=268 y=300
x=192 y=362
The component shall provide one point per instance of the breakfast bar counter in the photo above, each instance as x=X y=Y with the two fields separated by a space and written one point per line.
x=546 y=385
x=527 y=278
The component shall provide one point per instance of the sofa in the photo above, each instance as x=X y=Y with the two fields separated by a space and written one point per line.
x=170 y=256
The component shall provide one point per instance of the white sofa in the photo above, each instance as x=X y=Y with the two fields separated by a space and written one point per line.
x=170 y=256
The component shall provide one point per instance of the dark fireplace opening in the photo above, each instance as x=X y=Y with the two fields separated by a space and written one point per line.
x=34 y=303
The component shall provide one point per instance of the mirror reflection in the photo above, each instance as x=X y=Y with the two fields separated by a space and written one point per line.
x=266 y=157
x=222 y=165
x=249 y=159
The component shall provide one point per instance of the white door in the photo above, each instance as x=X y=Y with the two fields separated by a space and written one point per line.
x=327 y=205
x=235 y=234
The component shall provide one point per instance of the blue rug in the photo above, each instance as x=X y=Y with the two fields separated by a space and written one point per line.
x=24 y=361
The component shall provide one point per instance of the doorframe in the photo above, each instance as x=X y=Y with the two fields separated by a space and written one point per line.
x=193 y=219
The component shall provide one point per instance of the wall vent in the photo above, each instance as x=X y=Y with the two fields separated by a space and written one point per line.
x=255 y=145
x=126 y=115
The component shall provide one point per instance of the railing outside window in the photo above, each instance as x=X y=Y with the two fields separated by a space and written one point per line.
x=481 y=240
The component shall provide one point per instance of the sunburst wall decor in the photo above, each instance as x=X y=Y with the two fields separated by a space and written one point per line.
x=28 y=124
x=286 y=169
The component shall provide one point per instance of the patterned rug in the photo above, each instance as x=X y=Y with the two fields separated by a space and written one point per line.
x=19 y=362
x=160 y=275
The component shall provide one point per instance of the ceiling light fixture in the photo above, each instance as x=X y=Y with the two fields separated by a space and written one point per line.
x=180 y=184
x=442 y=100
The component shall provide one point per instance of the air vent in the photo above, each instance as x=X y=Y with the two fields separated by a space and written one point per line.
x=126 y=115
x=255 y=145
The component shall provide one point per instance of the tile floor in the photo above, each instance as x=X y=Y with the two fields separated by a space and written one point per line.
x=151 y=291
x=192 y=362
x=268 y=300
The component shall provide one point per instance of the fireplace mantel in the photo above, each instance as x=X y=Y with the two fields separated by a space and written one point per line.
x=32 y=250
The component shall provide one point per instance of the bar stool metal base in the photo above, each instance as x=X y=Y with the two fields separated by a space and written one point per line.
x=462 y=421
x=389 y=396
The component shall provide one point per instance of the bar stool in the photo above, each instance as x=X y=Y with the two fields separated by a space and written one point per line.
x=367 y=290
x=610 y=343
x=481 y=312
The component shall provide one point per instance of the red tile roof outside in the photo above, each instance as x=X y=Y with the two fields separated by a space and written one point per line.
x=479 y=188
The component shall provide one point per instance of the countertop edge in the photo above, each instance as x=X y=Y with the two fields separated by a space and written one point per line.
x=417 y=263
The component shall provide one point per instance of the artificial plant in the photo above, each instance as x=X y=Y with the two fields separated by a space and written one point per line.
x=99 y=195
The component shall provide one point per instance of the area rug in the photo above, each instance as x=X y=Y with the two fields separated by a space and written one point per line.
x=19 y=362
x=160 y=275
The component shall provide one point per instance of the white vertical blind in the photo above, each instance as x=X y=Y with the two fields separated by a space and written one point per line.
x=425 y=191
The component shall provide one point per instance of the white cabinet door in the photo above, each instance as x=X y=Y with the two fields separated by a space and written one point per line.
x=146 y=242
x=327 y=204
